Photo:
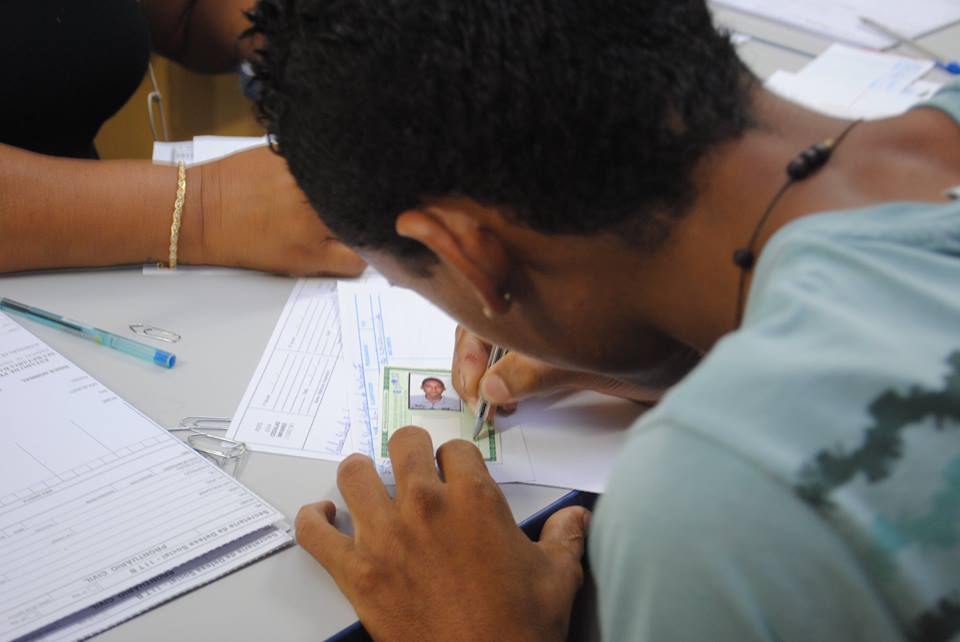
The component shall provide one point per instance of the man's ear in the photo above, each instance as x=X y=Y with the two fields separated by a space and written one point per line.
x=465 y=245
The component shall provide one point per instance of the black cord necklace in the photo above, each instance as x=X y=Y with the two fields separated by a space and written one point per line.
x=805 y=164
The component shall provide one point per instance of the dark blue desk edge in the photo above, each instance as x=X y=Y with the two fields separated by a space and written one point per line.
x=532 y=526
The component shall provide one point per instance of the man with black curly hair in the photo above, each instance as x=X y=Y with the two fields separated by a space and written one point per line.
x=602 y=187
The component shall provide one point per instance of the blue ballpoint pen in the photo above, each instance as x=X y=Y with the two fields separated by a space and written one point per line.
x=129 y=346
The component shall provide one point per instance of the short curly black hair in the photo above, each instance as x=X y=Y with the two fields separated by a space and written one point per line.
x=571 y=116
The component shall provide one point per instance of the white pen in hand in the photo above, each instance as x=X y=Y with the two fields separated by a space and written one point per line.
x=482 y=406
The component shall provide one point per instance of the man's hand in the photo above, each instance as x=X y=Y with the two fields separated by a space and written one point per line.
x=516 y=376
x=255 y=216
x=444 y=560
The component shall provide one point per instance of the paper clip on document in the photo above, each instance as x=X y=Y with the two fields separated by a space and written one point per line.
x=222 y=450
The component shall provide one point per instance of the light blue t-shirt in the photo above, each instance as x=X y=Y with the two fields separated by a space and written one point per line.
x=803 y=482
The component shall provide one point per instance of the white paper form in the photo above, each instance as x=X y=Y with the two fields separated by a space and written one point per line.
x=383 y=325
x=296 y=403
x=573 y=439
x=388 y=326
x=154 y=592
x=852 y=83
x=173 y=152
x=840 y=19
x=208 y=148
x=94 y=497
x=203 y=149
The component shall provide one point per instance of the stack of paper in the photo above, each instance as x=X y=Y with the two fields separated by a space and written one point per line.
x=316 y=391
x=104 y=514
x=851 y=83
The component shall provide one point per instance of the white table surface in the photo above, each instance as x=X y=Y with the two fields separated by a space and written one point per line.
x=225 y=322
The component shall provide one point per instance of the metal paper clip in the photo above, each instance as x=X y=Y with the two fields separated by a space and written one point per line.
x=153 y=332
x=205 y=423
x=226 y=453
x=220 y=449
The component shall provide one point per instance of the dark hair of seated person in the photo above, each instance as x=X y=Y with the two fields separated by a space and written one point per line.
x=571 y=116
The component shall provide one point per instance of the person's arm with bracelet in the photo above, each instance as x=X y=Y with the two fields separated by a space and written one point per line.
x=241 y=211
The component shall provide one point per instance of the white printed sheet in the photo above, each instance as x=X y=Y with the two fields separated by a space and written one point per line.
x=95 y=498
x=296 y=402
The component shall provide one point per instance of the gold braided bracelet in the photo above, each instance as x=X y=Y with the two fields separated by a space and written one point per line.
x=177 y=212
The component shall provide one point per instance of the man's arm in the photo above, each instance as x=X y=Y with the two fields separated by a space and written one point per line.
x=200 y=34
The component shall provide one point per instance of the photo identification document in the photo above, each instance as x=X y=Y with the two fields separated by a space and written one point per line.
x=426 y=398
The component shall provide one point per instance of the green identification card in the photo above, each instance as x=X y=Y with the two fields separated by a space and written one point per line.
x=426 y=398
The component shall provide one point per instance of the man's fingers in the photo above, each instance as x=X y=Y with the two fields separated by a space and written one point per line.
x=563 y=537
x=316 y=533
x=362 y=490
x=567 y=529
x=460 y=459
x=411 y=454
x=625 y=390
x=469 y=363
x=516 y=377
x=507 y=408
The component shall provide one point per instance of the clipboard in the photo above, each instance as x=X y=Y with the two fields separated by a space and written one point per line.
x=532 y=527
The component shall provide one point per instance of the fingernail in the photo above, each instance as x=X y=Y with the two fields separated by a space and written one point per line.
x=494 y=390
x=506 y=409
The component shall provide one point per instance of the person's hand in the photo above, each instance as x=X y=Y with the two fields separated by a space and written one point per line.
x=255 y=216
x=444 y=560
x=516 y=376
